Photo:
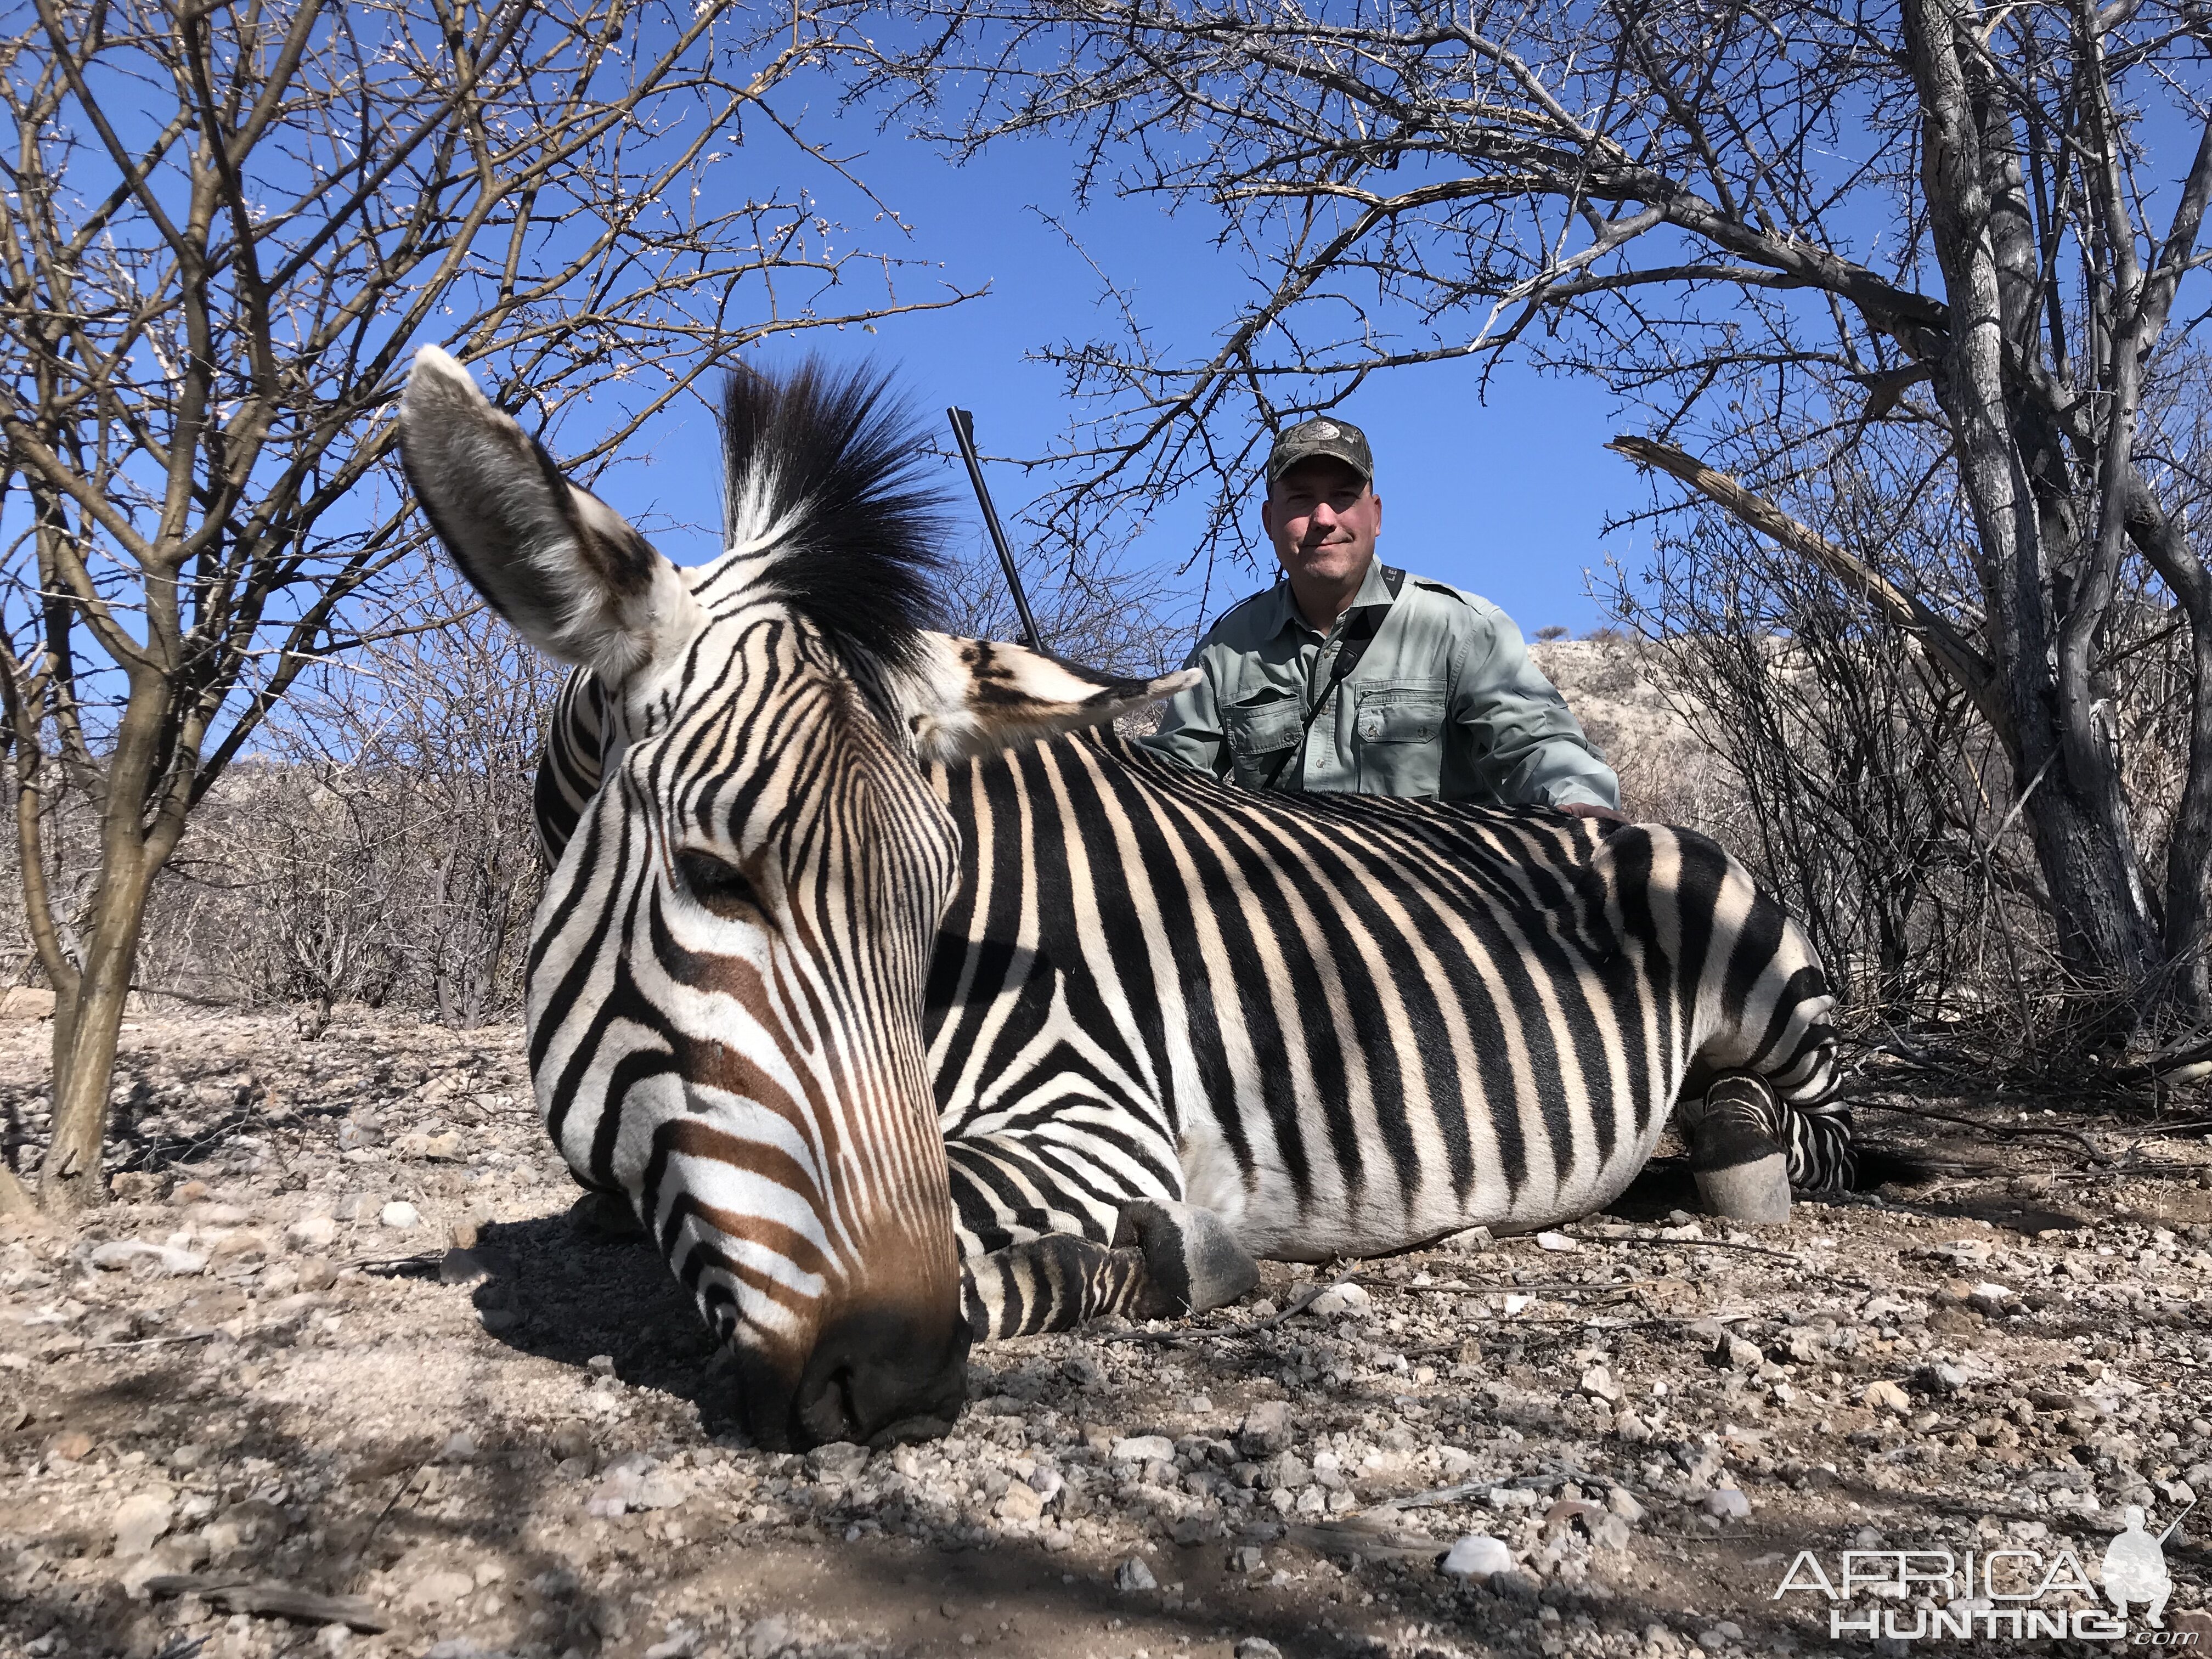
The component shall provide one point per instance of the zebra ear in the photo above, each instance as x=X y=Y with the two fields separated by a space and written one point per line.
x=555 y=560
x=973 y=696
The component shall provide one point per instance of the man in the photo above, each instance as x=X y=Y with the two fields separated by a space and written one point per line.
x=1349 y=676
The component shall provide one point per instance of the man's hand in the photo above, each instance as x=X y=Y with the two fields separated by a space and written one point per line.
x=1589 y=810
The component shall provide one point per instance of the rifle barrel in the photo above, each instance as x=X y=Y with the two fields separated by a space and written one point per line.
x=963 y=434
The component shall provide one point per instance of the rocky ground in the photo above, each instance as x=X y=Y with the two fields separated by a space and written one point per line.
x=337 y=1372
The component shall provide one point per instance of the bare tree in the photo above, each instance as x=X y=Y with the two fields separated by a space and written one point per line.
x=430 y=740
x=1776 y=229
x=1860 y=769
x=226 y=225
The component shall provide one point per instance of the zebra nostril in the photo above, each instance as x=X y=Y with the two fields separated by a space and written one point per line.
x=840 y=1409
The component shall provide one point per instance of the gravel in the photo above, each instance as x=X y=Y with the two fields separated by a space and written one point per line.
x=509 y=1433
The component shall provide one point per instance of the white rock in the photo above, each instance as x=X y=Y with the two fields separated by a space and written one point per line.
x=1598 y=1383
x=172 y=1259
x=436 y=1588
x=839 y=1460
x=1478 y=1555
x=1144 y=1448
x=1133 y=1575
x=1256 y=1647
x=314 y=1232
x=400 y=1215
x=1556 y=1241
x=1608 y=1532
x=1622 y=1502
x=1021 y=1502
x=1885 y=1396
x=635 y=1482
x=1341 y=1299
x=172 y=1555
x=141 y=1519
x=1991 y=1299
x=1269 y=1426
x=1285 y=1472
x=1728 y=1503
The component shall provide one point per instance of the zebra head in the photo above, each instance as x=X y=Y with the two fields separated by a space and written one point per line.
x=727 y=972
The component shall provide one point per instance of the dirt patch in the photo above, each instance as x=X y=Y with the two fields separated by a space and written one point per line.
x=266 y=1362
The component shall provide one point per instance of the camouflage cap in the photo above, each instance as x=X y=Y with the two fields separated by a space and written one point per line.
x=1339 y=440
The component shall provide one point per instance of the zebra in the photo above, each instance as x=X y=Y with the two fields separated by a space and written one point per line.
x=905 y=1005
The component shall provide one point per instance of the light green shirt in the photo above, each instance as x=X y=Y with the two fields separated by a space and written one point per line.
x=1443 y=704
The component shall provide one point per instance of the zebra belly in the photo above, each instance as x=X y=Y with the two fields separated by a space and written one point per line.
x=1274 y=1221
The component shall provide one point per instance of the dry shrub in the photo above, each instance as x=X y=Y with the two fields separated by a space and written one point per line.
x=381 y=850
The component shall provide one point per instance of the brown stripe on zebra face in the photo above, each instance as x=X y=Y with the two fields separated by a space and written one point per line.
x=725 y=1013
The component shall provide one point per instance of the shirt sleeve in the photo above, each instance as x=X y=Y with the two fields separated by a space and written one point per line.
x=1526 y=743
x=1190 y=725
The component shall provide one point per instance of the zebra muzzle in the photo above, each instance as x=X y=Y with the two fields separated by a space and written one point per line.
x=875 y=1377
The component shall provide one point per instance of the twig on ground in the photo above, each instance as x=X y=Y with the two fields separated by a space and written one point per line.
x=1548 y=1288
x=1436 y=1495
x=279 y=1600
x=1302 y=1304
x=2089 y=1148
x=1790 y=1256
x=150 y=1342
x=360 y=1549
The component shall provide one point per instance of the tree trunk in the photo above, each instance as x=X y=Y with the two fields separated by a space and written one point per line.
x=84 y=1044
x=2059 y=752
x=88 y=1023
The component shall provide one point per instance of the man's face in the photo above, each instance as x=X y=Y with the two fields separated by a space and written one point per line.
x=1323 y=518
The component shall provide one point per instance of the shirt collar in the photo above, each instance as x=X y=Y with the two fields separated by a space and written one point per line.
x=1373 y=590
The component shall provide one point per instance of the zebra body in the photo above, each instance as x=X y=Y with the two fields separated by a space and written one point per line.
x=900 y=1017
x=1343 y=1024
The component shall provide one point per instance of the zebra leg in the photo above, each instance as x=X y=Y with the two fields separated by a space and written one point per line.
x=1054 y=1282
x=1167 y=1260
x=1738 y=1133
x=1194 y=1260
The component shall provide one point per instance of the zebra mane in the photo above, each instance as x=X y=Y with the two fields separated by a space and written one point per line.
x=825 y=508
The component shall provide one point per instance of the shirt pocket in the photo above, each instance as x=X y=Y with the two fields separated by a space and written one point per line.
x=1258 y=733
x=1399 y=732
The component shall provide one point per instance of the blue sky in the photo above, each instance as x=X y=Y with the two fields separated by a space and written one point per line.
x=1506 y=498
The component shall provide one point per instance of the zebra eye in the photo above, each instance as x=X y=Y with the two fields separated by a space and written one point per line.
x=721 y=887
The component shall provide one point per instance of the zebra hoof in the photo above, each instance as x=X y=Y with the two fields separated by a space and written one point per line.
x=1741 y=1170
x=1192 y=1259
x=1757 y=1192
